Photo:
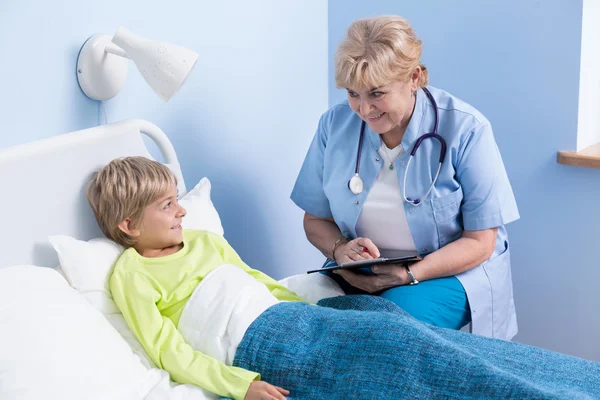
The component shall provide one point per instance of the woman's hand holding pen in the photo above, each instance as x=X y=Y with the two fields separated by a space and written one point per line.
x=356 y=249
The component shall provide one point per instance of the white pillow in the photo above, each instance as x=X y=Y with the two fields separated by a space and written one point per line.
x=56 y=346
x=201 y=213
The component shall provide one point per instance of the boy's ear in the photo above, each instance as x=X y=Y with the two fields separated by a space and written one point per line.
x=126 y=226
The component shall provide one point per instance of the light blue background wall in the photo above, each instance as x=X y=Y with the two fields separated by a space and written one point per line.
x=253 y=100
x=518 y=63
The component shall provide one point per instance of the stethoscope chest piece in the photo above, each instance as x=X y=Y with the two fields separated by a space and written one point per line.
x=356 y=184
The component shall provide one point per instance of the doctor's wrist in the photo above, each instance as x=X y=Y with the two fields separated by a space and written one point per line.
x=418 y=271
x=340 y=242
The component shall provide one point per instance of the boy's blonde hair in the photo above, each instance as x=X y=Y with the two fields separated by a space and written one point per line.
x=377 y=51
x=123 y=189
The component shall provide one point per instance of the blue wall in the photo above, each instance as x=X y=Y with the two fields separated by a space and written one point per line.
x=518 y=63
x=252 y=101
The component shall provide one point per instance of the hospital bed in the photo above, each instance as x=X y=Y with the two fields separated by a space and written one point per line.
x=61 y=337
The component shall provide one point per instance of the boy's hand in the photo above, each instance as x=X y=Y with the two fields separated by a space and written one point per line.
x=260 y=390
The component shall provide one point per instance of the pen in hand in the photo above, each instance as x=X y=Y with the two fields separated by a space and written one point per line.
x=366 y=250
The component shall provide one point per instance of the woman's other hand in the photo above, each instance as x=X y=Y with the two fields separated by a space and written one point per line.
x=386 y=276
x=260 y=390
x=356 y=249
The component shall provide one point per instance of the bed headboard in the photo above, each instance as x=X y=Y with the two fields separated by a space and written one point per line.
x=43 y=186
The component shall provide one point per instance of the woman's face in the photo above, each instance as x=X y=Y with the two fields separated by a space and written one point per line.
x=386 y=107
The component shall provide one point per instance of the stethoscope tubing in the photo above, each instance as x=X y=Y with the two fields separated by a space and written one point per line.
x=356 y=185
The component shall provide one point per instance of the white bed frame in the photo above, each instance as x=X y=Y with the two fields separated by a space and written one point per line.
x=44 y=183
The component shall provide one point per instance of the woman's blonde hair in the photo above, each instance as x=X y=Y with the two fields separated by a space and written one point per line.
x=377 y=51
x=123 y=189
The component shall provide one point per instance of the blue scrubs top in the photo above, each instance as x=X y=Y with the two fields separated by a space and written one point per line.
x=472 y=192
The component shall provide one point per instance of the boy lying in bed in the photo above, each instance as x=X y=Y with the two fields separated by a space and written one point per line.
x=208 y=319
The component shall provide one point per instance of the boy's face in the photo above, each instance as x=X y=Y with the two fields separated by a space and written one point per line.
x=161 y=224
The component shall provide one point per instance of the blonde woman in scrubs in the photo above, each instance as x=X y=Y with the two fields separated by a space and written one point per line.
x=458 y=228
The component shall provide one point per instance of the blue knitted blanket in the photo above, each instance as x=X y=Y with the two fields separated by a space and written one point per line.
x=365 y=347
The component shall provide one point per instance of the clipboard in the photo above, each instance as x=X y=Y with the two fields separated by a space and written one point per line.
x=398 y=257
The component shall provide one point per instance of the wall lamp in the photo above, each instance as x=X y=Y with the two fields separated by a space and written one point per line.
x=102 y=64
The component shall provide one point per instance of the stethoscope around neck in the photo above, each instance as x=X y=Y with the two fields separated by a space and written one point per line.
x=356 y=184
